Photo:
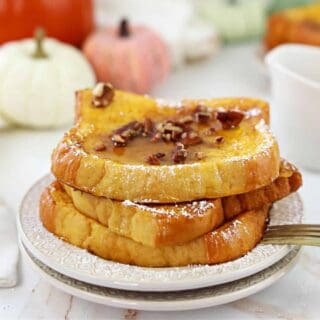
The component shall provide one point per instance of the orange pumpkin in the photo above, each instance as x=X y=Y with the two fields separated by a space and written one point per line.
x=132 y=58
x=68 y=20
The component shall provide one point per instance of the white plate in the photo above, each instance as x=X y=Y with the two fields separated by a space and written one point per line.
x=84 y=266
x=166 y=301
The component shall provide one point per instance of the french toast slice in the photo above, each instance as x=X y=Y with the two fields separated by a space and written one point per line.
x=295 y=25
x=231 y=161
x=230 y=241
x=152 y=225
x=172 y=224
x=289 y=181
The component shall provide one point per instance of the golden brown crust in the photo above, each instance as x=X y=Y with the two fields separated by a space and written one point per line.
x=277 y=190
x=46 y=201
x=66 y=162
x=298 y=25
x=226 y=243
x=248 y=161
x=152 y=225
x=171 y=224
x=236 y=237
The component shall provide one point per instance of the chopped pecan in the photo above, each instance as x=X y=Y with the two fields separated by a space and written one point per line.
x=118 y=140
x=147 y=127
x=190 y=138
x=166 y=137
x=179 y=153
x=169 y=130
x=202 y=114
x=100 y=147
x=170 y=126
x=154 y=159
x=103 y=94
x=201 y=108
x=230 y=119
x=130 y=130
x=185 y=120
x=122 y=135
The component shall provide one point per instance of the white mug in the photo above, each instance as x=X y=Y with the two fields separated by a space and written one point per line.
x=295 y=86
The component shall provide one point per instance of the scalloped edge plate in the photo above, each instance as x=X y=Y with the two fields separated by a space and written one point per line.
x=166 y=301
x=84 y=266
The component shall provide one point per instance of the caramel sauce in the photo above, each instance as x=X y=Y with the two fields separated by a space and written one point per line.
x=139 y=148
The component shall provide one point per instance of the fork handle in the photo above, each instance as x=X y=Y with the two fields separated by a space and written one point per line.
x=301 y=241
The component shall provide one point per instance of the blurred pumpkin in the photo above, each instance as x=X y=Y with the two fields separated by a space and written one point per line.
x=234 y=19
x=276 y=5
x=67 y=20
x=38 y=79
x=132 y=58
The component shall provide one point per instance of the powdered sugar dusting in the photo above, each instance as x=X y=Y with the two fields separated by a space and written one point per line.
x=93 y=269
x=192 y=209
x=168 y=103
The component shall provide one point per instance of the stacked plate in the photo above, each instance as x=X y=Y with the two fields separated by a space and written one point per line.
x=84 y=275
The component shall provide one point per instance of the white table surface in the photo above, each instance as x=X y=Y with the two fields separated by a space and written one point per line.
x=25 y=157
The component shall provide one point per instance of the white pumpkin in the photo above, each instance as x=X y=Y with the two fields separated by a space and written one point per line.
x=38 y=80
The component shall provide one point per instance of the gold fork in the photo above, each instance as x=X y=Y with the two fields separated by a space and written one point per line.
x=297 y=234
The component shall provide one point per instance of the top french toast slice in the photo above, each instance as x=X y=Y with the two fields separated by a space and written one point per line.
x=233 y=160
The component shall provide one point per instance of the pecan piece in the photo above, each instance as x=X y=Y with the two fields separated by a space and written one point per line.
x=147 y=127
x=169 y=130
x=102 y=94
x=190 y=138
x=185 y=120
x=230 y=119
x=202 y=114
x=118 y=140
x=179 y=153
x=130 y=130
x=122 y=135
x=154 y=159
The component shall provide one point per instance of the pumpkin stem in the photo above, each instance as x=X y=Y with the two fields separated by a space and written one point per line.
x=124 y=28
x=39 y=35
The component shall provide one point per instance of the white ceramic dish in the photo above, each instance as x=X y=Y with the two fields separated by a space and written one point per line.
x=81 y=265
x=295 y=86
x=166 y=301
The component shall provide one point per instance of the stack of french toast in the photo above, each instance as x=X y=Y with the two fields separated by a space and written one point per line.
x=149 y=183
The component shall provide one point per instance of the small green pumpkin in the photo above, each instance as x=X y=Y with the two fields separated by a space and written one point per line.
x=237 y=19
